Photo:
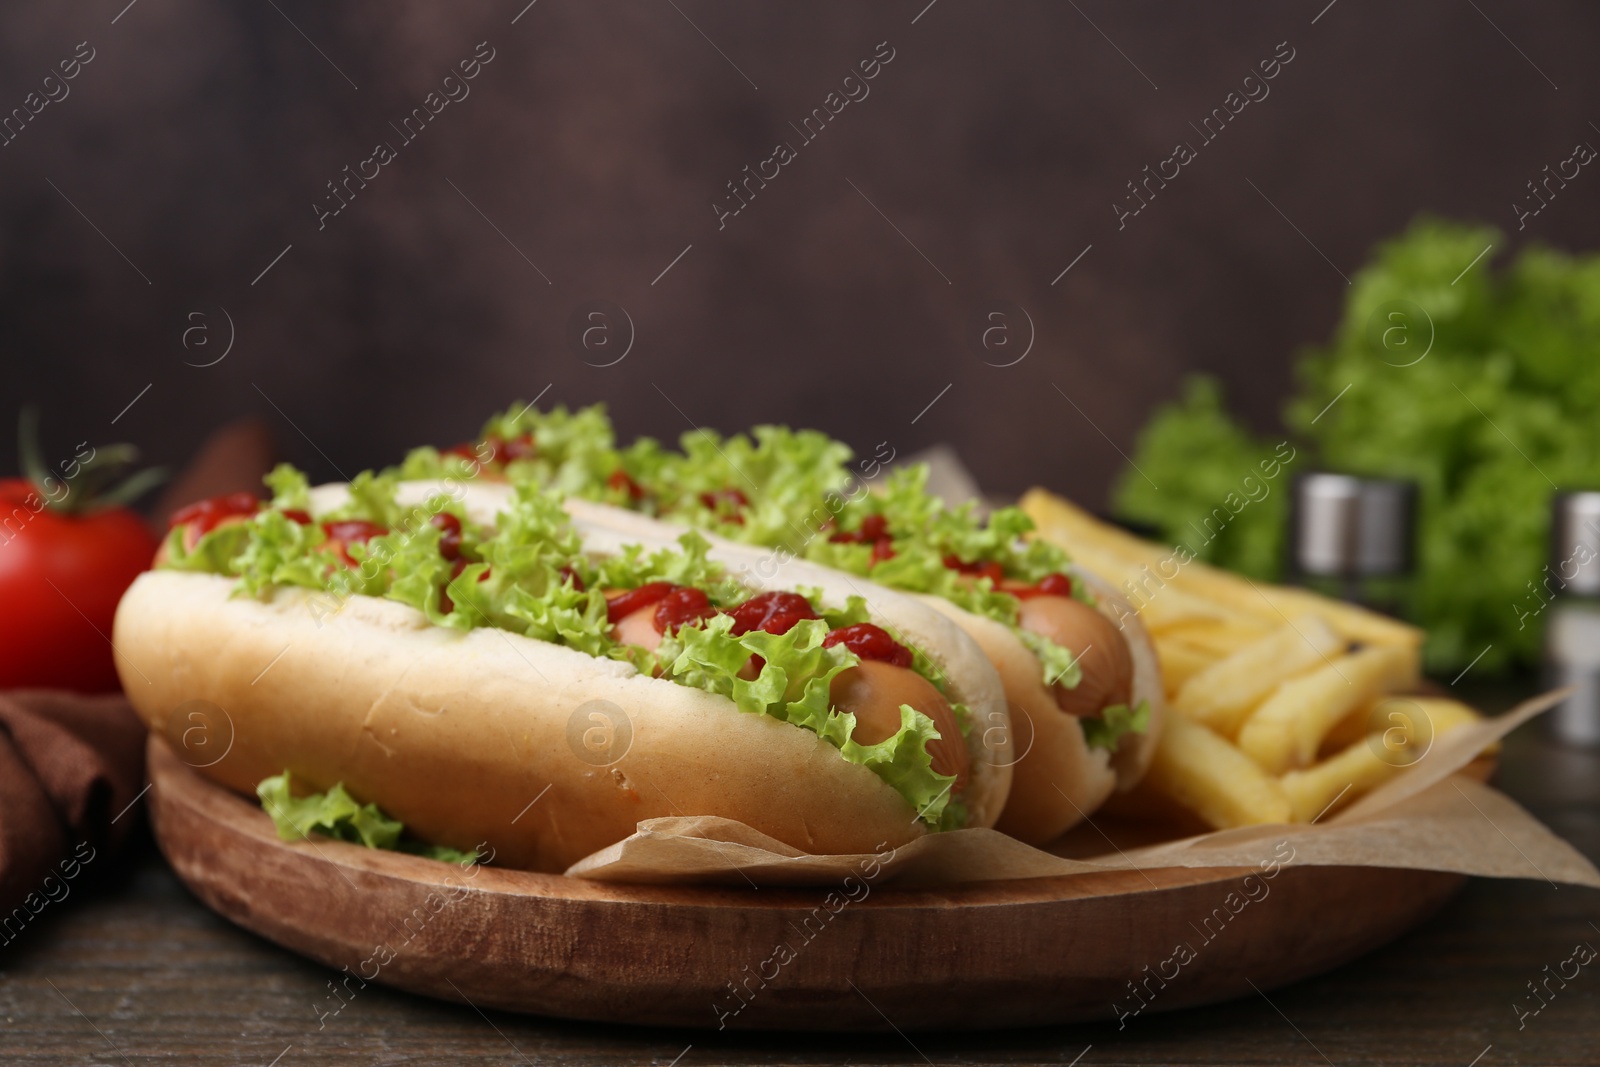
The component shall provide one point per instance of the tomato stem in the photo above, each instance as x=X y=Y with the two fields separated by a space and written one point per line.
x=96 y=475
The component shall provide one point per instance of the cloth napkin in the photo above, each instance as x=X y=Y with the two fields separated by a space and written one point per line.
x=71 y=768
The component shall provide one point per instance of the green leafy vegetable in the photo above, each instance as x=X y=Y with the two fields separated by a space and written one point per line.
x=336 y=814
x=1116 y=722
x=289 y=486
x=1479 y=385
x=924 y=532
x=1200 y=458
x=573 y=451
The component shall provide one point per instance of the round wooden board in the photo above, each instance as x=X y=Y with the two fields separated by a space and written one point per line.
x=1022 y=953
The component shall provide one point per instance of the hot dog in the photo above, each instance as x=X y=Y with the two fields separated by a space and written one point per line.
x=447 y=659
x=1083 y=690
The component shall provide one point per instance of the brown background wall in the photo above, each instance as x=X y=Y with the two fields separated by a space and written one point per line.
x=598 y=138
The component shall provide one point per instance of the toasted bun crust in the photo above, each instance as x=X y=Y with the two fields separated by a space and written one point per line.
x=1058 y=779
x=541 y=752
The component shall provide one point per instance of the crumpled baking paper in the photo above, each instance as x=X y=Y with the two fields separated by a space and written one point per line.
x=1429 y=817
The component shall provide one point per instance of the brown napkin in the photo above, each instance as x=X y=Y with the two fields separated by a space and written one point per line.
x=71 y=768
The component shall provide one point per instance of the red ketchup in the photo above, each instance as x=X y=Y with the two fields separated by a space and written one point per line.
x=682 y=606
x=729 y=497
x=776 y=613
x=450 y=539
x=1050 y=585
x=874 y=531
x=872 y=528
x=501 y=451
x=346 y=532
x=207 y=515
x=870 y=641
x=991 y=570
x=516 y=448
x=626 y=603
x=620 y=480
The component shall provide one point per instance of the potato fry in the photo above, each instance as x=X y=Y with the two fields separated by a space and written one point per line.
x=1160 y=603
x=1209 y=776
x=1220 y=639
x=1079 y=532
x=1398 y=710
x=1361 y=721
x=1368 y=762
x=1447 y=714
x=1180 y=661
x=1355 y=623
x=1223 y=695
x=1284 y=732
x=1355 y=771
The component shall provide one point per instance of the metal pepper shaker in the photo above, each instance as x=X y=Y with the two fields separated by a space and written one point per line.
x=1354 y=538
x=1570 y=587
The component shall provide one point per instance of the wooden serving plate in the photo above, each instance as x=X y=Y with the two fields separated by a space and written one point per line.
x=1021 y=953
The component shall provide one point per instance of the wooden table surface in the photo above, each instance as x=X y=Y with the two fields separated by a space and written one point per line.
x=134 y=971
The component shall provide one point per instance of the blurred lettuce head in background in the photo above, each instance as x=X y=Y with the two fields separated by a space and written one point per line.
x=1481 y=386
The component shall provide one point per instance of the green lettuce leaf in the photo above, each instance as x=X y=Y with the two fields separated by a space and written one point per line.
x=427 y=463
x=280 y=551
x=289 y=486
x=687 y=565
x=372 y=498
x=904 y=763
x=785 y=475
x=417 y=571
x=574 y=450
x=1115 y=723
x=1060 y=665
x=336 y=814
x=924 y=532
x=212 y=554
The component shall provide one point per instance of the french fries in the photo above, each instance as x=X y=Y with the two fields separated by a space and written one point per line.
x=1223 y=695
x=1123 y=558
x=1284 y=733
x=1375 y=757
x=1354 y=771
x=1218 y=640
x=1277 y=717
x=1212 y=778
x=1181 y=661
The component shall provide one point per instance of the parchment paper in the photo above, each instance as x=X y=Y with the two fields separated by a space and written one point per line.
x=1429 y=817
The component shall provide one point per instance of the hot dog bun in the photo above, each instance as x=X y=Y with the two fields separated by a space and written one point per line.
x=1059 y=780
x=484 y=736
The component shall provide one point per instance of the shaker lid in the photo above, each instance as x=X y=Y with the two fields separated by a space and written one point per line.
x=1344 y=526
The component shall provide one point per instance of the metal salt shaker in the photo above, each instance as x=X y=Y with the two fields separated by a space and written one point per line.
x=1353 y=538
x=1572 y=629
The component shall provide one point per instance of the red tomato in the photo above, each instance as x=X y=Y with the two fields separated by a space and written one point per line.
x=60 y=579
